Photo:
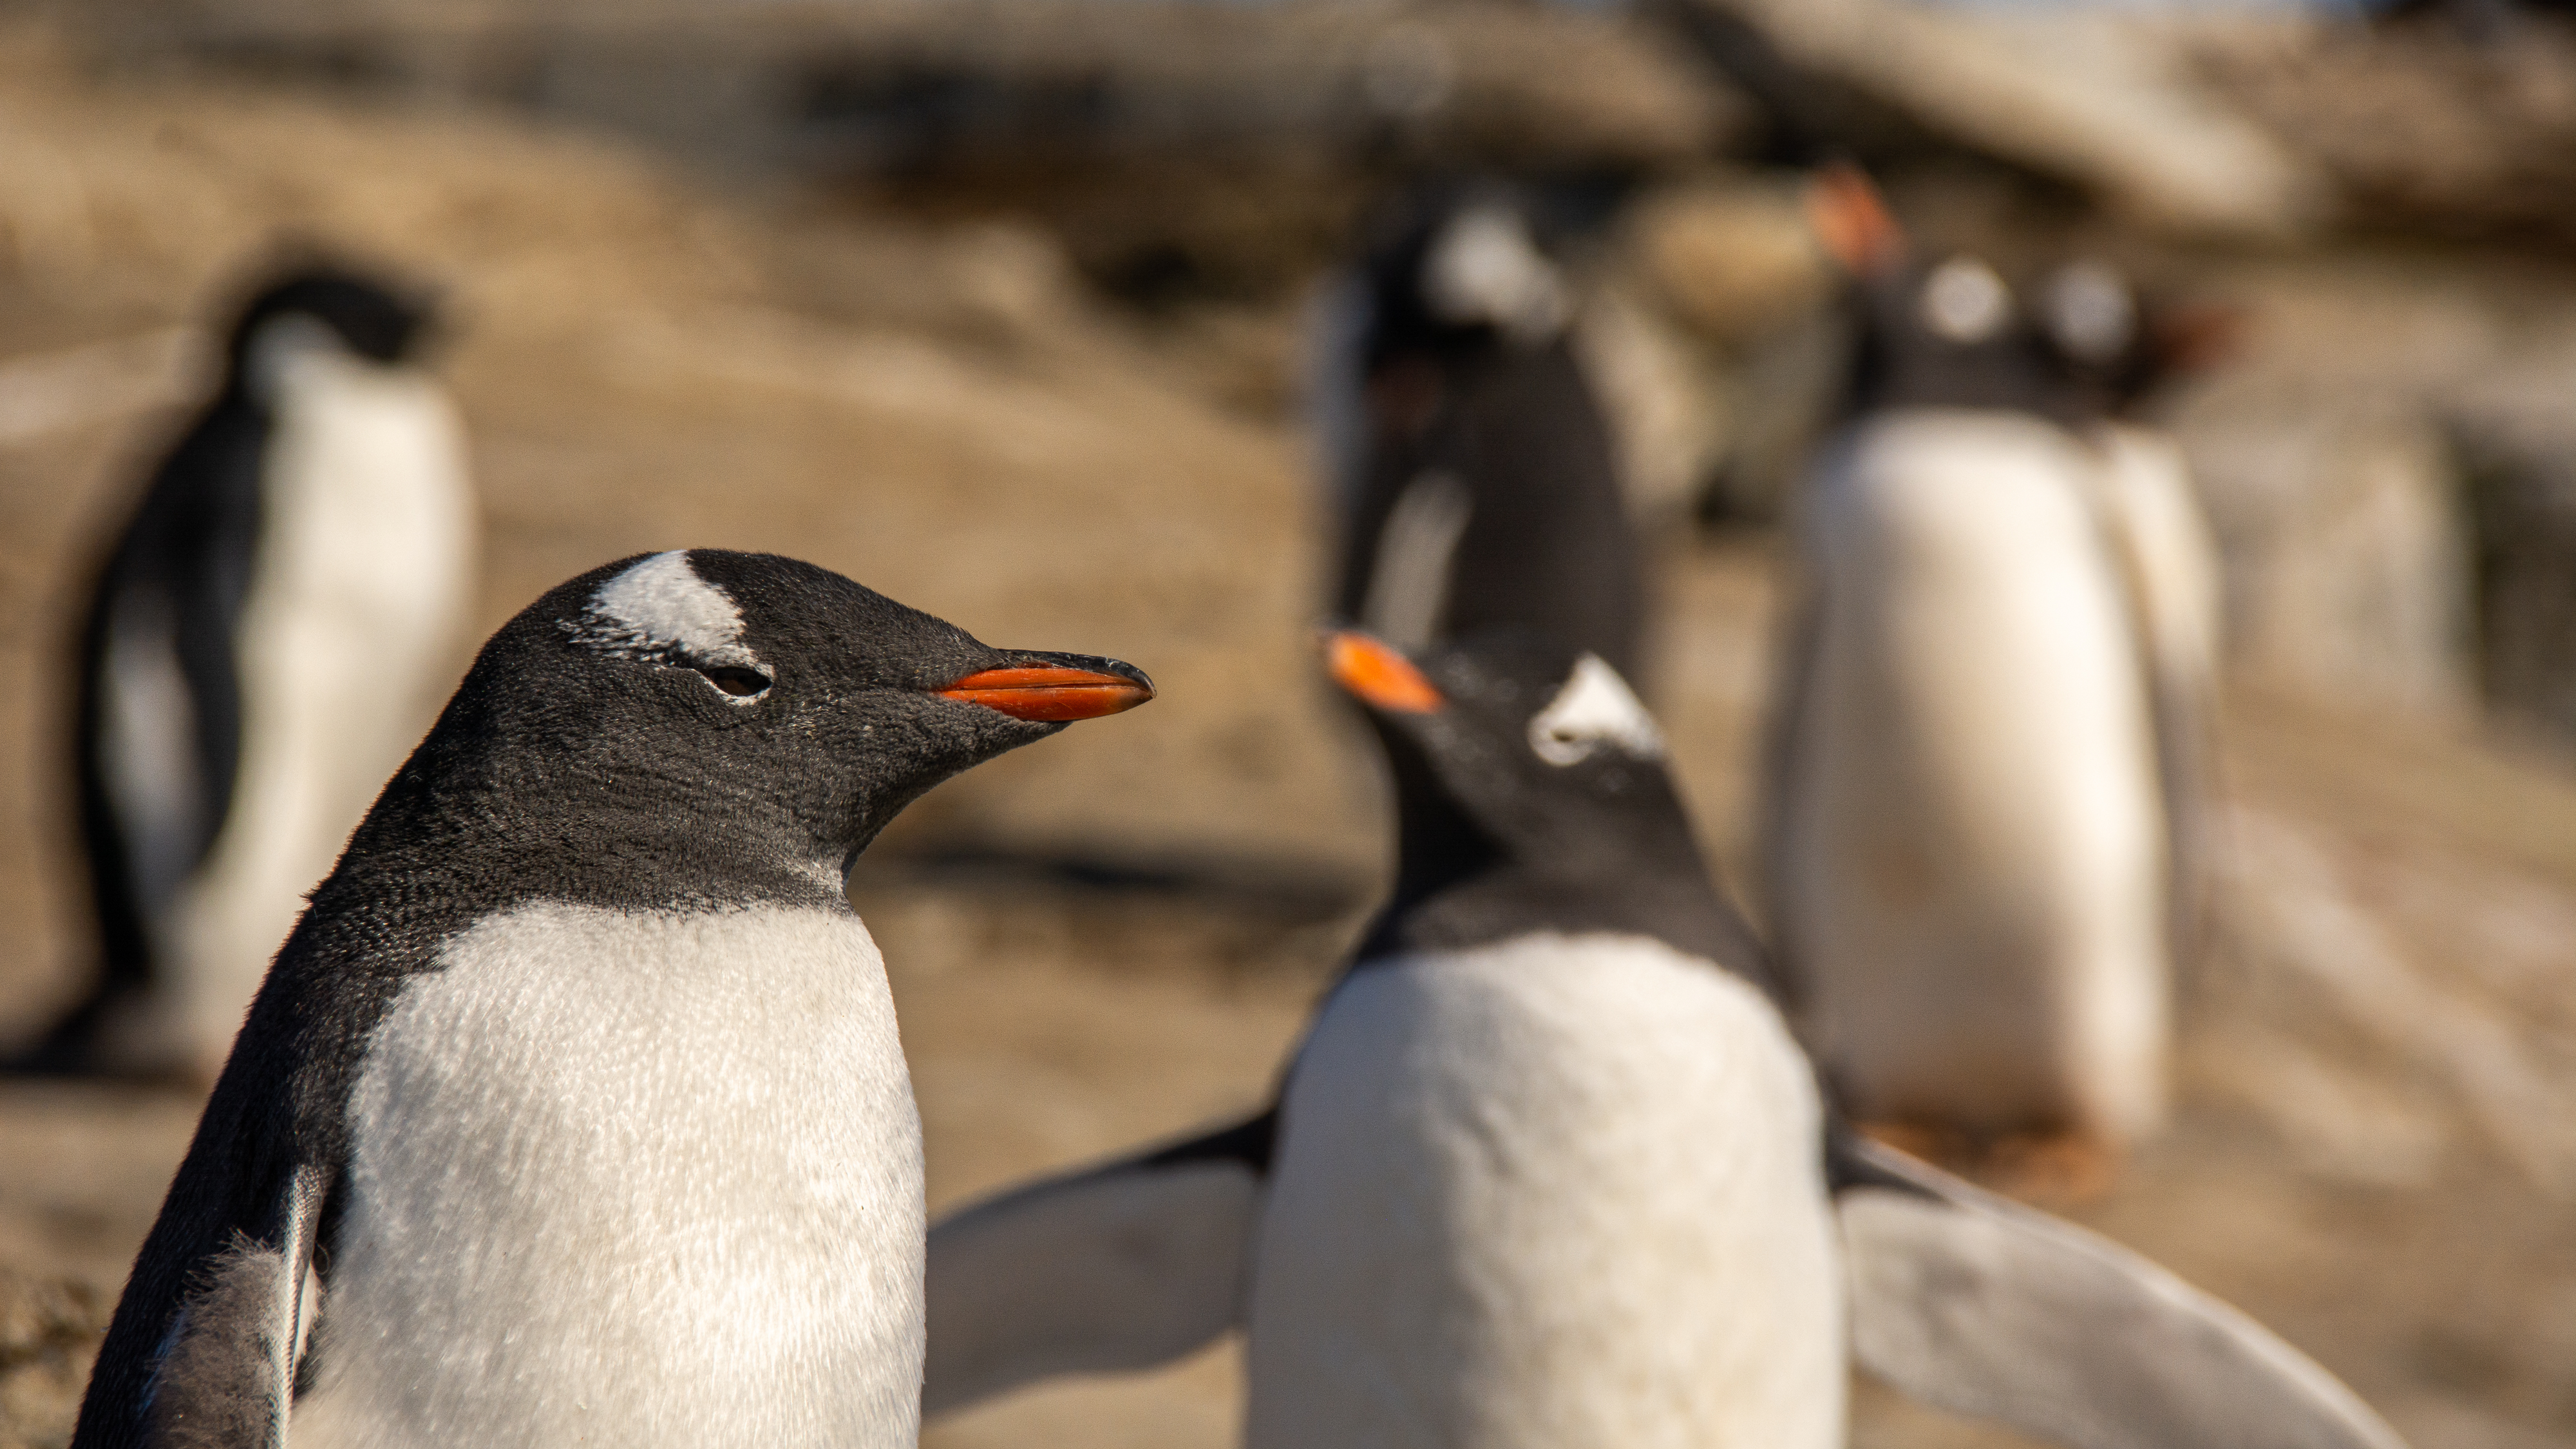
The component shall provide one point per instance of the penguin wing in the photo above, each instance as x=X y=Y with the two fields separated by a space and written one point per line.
x=159 y=703
x=1412 y=569
x=1117 y=1268
x=2168 y=564
x=1981 y=1306
x=206 y=1344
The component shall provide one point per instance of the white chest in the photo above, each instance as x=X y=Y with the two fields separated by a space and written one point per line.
x=368 y=515
x=1973 y=870
x=346 y=644
x=1972 y=608
x=1561 y=1192
x=634 y=1180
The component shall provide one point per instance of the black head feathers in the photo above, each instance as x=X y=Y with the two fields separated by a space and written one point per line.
x=376 y=318
x=1533 y=794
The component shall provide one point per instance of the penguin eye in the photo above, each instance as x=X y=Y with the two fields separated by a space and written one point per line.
x=740 y=683
x=1562 y=746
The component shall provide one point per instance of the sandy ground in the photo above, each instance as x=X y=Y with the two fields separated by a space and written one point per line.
x=1115 y=935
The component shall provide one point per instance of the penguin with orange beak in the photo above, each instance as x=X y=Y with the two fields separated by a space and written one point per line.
x=573 y=1110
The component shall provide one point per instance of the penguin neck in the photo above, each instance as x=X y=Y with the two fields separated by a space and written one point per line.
x=1457 y=887
x=592 y=838
x=1438 y=847
x=1893 y=367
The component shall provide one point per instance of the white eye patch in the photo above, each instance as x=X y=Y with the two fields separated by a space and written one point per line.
x=1964 y=301
x=2091 y=311
x=661 y=607
x=1595 y=708
x=283 y=346
x=1485 y=268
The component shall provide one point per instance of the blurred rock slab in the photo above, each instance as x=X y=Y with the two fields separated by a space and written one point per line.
x=910 y=83
x=2419 y=129
x=2105 y=103
x=2390 y=465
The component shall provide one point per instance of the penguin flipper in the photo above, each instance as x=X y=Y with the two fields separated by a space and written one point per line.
x=1116 y=1268
x=2169 y=572
x=221 y=1369
x=1978 y=1305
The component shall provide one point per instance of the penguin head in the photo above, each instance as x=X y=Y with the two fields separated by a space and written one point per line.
x=1954 y=333
x=330 y=307
x=1948 y=330
x=1543 y=750
x=2122 y=344
x=723 y=691
x=1461 y=269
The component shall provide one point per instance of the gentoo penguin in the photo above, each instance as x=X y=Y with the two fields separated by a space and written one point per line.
x=1549 y=1169
x=1967 y=837
x=1476 y=483
x=573 y=1109
x=271 y=633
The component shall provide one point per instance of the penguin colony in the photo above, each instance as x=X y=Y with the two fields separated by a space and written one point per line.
x=1550 y=1169
x=497 y=1156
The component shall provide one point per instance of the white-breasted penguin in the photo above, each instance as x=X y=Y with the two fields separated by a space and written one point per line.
x=1968 y=835
x=1476 y=482
x=271 y=634
x=573 y=1110
x=1549 y=1169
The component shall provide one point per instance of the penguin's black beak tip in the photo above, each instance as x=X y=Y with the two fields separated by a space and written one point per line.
x=1054 y=688
x=1378 y=675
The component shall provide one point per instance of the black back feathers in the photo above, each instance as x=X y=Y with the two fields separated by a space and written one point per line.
x=1483 y=488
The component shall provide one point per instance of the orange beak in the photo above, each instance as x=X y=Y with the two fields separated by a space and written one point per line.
x=1048 y=692
x=1851 y=219
x=1378 y=676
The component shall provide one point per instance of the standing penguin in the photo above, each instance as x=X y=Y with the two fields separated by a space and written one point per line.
x=1476 y=481
x=573 y=1110
x=1968 y=842
x=270 y=635
x=1549 y=1169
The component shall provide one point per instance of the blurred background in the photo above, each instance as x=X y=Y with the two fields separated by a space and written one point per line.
x=998 y=307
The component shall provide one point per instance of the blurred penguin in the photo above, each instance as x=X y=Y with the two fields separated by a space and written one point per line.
x=269 y=637
x=1477 y=482
x=1969 y=837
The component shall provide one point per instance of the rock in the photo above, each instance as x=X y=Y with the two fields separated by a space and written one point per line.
x=2345 y=552
x=1733 y=259
x=896 y=85
x=1664 y=396
x=2102 y=102
x=2420 y=130
x=2516 y=444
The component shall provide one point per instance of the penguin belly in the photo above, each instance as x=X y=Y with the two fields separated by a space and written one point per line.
x=346 y=644
x=1554 y=1192
x=1974 y=870
x=633 y=1179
